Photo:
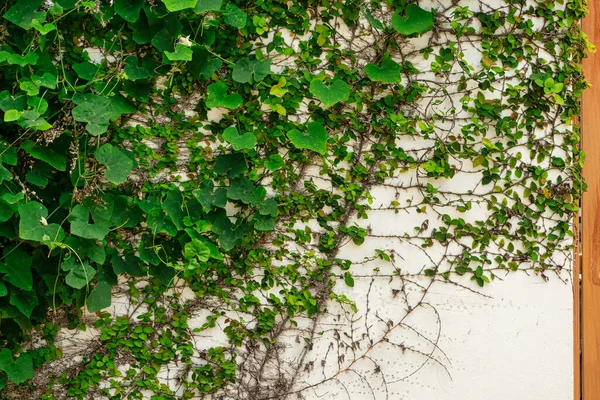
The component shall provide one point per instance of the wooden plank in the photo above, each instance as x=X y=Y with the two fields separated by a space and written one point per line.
x=590 y=243
x=576 y=312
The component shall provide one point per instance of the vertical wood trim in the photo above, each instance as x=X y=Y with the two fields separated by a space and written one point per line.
x=590 y=223
x=576 y=311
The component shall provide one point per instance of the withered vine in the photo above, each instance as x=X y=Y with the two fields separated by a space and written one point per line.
x=255 y=166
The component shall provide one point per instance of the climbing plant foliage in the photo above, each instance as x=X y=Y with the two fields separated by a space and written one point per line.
x=237 y=150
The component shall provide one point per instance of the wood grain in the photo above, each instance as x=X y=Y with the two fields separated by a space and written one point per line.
x=590 y=242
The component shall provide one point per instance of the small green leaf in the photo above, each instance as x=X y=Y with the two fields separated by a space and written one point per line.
x=246 y=69
x=99 y=298
x=46 y=80
x=80 y=225
x=12 y=115
x=196 y=249
x=29 y=87
x=33 y=224
x=218 y=97
x=315 y=138
x=235 y=17
x=332 y=94
x=208 y=5
x=178 y=5
x=79 y=273
x=263 y=223
x=388 y=71
x=239 y=142
x=203 y=64
x=25 y=12
x=181 y=53
x=118 y=163
x=416 y=20
x=136 y=70
x=349 y=279
x=375 y=23
x=274 y=162
x=98 y=111
x=19 y=370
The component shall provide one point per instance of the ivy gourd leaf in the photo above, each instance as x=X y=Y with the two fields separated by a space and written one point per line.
x=263 y=223
x=269 y=207
x=172 y=206
x=332 y=94
x=118 y=163
x=33 y=224
x=80 y=225
x=239 y=142
x=55 y=157
x=129 y=10
x=130 y=265
x=17 y=267
x=181 y=53
x=231 y=164
x=16 y=59
x=98 y=111
x=218 y=97
x=86 y=70
x=196 y=249
x=79 y=273
x=349 y=279
x=29 y=87
x=18 y=370
x=235 y=17
x=246 y=69
x=25 y=12
x=203 y=64
x=241 y=189
x=99 y=298
x=12 y=115
x=24 y=301
x=46 y=80
x=136 y=70
x=416 y=20
x=388 y=71
x=229 y=235
x=375 y=23
x=208 y=197
x=315 y=138
x=178 y=5
x=274 y=162
x=208 y=5
x=3 y=292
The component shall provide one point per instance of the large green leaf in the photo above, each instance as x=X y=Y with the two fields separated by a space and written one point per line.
x=79 y=272
x=33 y=224
x=48 y=154
x=416 y=20
x=196 y=249
x=99 y=298
x=118 y=163
x=178 y=5
x=24 y=301
x=139 y=69
x=181 y=53
x=246 y=69
x=332 y=94
x=203 y=63
x=314 y=138
x=235 y=17
x=17 y=267
x=239 y=142
x=98 y=111
x=208 y=5
x=218 y=97
x=80 y=225
x=129 y=10
x=208 y=197
x=387 y=71
x=25 y=13
x=18 y=370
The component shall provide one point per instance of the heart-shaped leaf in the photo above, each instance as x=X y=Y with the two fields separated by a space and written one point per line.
x=203 y=64
x=52 y=154
x=416 y=20
x=80 y=225
x=235 y=17
x=388 y=71
x=17 y=267
x=18 y=370
x=24 y=301
x=129 y=10
x=118 y=163
x=237 y=141
x=25 y=12
x=136 y=70
x=246 y=69
x=181 y=53
x=99 y=298
x=79 y=273
x=97 y=111
x=178 y=5
x=33 y=224
x=196 y=249
x=208 y=5
x=315 y=138
x=218 y=97
x=332 y=94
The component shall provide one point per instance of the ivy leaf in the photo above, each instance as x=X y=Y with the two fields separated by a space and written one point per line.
x=198 y=249
x=19 y=370
x=218 y=97
x=208 y=5
x=332 y=94
x=178 y=5
x=207 y=196
x=239 y=142
x=129 y=10
x=134 y=70
x=274 y=162
x=263 y=223
x=375 y=23
x=47 y=154
x=416 y=20
x=25 y=12
x=99 y=298
x=98 y=111
x=203 y=64
x=118 y=163
x=12 y=115
x=172 y=206
x=349 y=279
x=269 y=207
x=79 y=273
x=388 y=71
x=241 y=189
x=33 y=225
x=46 y=80
x=24 y=301
x=17 y=266
x=181 y=53
x=315 y=138
x=246 y=69
x=235 y=17
x=80 y=225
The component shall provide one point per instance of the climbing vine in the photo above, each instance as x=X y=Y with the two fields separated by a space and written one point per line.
x=240 y=163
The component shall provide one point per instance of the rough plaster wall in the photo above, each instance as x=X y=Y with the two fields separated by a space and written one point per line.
x=509 y=340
